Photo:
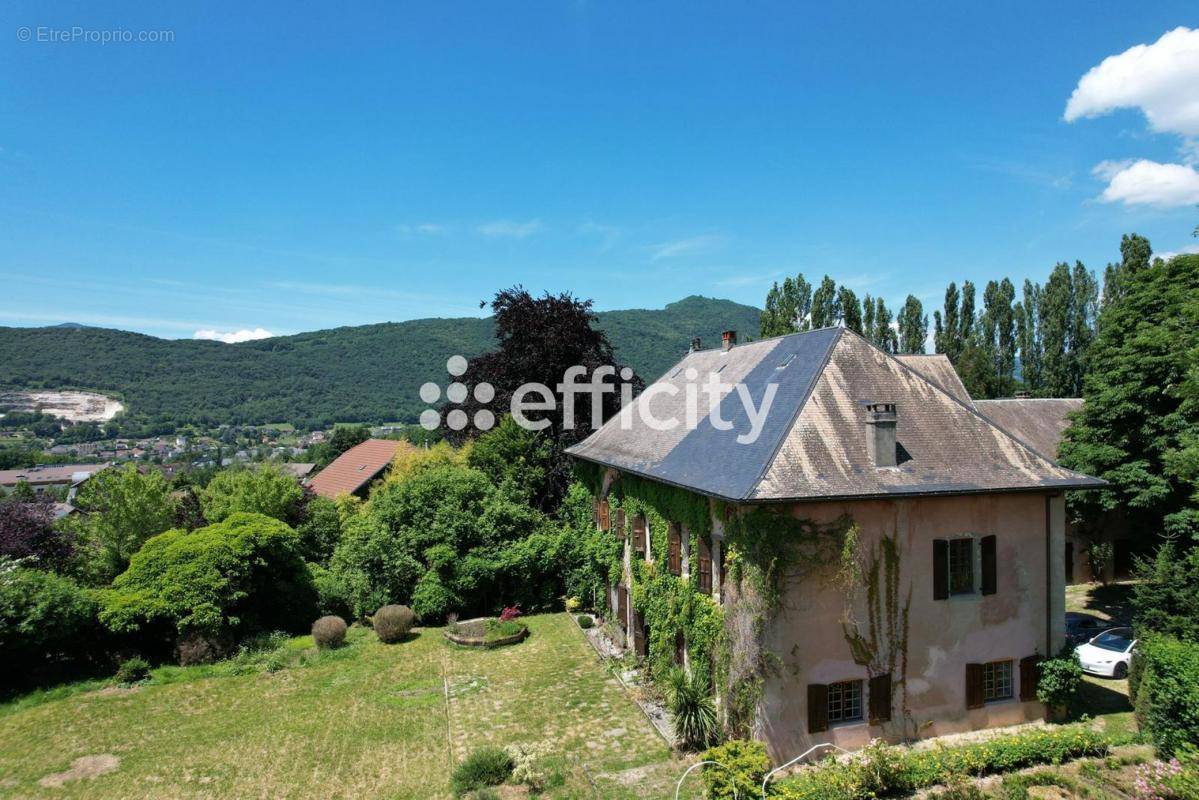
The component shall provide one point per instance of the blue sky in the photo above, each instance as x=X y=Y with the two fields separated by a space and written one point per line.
x=294 y=166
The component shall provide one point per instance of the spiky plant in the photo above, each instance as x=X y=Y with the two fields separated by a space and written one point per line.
x=690 y=701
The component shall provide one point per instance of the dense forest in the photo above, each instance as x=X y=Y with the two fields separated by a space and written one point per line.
x=369 y=373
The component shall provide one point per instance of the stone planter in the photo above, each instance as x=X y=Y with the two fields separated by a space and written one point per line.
x=473 y=633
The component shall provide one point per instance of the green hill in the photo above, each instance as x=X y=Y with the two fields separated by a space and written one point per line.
x=367 y=373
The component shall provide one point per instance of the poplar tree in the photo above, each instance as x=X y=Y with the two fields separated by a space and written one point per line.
x=825 y=310
x=868 y=317
x=913 y=326
x=949 y=339
x=851 y=310
x=1028 y=335
x=884 y=335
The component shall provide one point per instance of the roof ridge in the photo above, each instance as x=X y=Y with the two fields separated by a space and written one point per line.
x=799 y=407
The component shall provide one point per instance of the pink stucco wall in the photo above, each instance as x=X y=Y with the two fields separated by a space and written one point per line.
x=1024 y=617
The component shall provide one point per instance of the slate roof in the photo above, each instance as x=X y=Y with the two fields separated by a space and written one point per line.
x=938 y=369
x=355 y=468
x=813 y=444
x=1038 y=422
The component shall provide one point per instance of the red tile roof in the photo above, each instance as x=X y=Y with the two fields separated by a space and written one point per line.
x=355 y=468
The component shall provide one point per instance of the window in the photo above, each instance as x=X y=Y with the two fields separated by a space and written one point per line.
x=997 y=681
x=844 y=701
x=675 y=561
x=961 y=566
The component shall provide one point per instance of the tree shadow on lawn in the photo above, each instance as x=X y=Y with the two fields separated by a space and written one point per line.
x=1112 y=601
x=1100 y=696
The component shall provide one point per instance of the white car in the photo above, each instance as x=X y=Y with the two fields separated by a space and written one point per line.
x=1108 y=654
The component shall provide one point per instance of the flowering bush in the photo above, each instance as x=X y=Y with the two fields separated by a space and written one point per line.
x=1176 y=779
x=1153 y=780
x=525 y=766
x=510 y=613
x=573 y=604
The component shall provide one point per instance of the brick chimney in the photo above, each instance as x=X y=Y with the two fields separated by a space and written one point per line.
x=728 y=340
x=695 y=344
x=880 y=440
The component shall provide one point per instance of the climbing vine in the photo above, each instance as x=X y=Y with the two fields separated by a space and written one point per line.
x=763 y=548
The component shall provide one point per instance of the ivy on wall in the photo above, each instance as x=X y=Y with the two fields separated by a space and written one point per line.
x=762 y=548
x=670 y=605
x=871 y=579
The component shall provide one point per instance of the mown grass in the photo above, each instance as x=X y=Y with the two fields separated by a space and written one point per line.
x=366 y=721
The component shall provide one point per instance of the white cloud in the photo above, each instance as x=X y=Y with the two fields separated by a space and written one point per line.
x=1189 y=250
x=424 y=229
x=509 y=229
x=1160 y=79
x=681 y=247
x=233 y=337
x=1147 y=182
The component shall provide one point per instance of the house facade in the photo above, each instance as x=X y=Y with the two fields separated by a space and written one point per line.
x=943 y=578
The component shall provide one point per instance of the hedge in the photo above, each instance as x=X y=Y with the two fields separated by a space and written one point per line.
x=881 y=769
x=1167 y=693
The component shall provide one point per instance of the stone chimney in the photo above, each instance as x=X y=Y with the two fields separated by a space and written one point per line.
x=880 y=440
x=695 y=344
x=728 y=340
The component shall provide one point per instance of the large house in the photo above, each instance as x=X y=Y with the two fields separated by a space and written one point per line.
x=971 y=517
x=353 y=471
x=49 y=477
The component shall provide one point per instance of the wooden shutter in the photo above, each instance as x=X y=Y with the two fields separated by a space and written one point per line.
x=640 y=635
x=1030 y=675
x=603 y=515
x=639 y=536
x=940 y=569
x=620 y=531
x=990 y=579
x=705 y=567
x=975 y=697
x=817 y=707
x=880 y=699
x=675 y=559
x=680 y=647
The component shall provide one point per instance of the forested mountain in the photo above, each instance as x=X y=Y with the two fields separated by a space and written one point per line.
x=365 y=373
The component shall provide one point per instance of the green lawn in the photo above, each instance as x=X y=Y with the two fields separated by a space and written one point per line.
x=367 y=721
x=1111 y=602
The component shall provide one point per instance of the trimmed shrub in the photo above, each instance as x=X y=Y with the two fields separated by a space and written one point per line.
x=486 y=766
x=392 y=623
x=218 y=583
x=1059 y=680
x=132 y=670
x=329 y=632
x=47 y=622
x=745 y=765
x=585 y=621
x=695 y=724
x=1167 y=702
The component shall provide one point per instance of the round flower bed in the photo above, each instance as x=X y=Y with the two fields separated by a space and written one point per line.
x=486 y=632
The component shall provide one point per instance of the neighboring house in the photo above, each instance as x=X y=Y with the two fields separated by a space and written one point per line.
x=49 y=476
x=298 y=470
x=353 y=471
x=1040 y=423
x=976 y=517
